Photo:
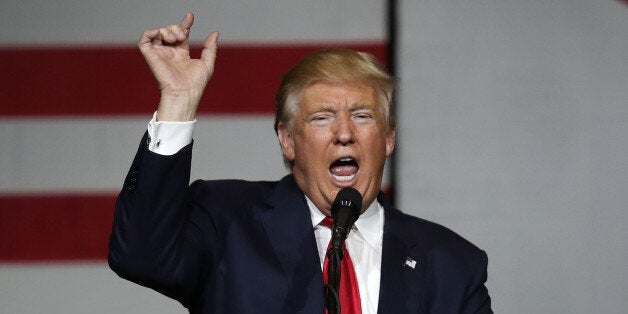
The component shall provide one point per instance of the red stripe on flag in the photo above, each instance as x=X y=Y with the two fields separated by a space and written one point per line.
x=55 y=227
x=116 y=81
x=36 y=228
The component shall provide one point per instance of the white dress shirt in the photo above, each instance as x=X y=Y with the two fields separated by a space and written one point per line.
x=364 y=242
x=168 y=137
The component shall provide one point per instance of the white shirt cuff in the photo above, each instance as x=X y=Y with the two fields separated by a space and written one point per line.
x=168 y=137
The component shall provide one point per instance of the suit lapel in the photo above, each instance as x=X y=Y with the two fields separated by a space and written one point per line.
x=288 y=225
x=402 y=283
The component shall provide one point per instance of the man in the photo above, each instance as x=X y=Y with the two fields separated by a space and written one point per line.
x=233 y=246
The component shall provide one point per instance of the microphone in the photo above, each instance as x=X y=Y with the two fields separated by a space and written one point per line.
x=344 y=211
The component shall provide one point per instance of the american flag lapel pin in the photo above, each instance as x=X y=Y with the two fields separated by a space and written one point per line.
x=410 y=263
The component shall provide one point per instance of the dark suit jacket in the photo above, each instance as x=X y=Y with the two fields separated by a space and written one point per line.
x=235 y=246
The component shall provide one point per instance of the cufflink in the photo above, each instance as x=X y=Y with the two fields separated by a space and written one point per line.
x=149 y=140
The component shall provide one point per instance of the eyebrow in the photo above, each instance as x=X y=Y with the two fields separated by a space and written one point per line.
x=328 y=108
x=322 y=109
x=359 y=106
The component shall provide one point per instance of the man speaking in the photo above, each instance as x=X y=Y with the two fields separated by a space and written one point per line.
x=233 y=246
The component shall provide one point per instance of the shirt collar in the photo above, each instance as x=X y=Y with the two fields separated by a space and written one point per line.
x=370 y=225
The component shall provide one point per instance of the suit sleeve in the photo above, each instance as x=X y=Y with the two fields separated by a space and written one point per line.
x=477 y=298
x=457 y=277
x=158 y=240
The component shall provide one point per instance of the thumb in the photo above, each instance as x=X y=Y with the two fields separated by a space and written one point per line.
x=210 y=46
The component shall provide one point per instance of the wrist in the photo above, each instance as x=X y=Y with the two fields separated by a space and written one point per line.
x=178 y=106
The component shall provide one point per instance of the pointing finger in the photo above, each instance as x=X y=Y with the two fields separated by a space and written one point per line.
x=187 y=21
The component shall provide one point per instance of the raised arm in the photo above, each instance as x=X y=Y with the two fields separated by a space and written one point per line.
x=158 y=239
x=181 y=79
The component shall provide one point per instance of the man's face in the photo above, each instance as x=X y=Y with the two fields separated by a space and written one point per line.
x=338 y=139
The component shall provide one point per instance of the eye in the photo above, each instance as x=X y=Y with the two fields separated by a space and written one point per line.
x=321 y=119
x=363 y=116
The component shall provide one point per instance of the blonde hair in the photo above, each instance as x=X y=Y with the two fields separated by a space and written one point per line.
x=341 y=66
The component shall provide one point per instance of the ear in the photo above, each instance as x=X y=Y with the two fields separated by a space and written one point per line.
x=390 y=142
x=286 y=141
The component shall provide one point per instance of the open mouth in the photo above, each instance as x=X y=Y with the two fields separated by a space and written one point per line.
x=344 y=169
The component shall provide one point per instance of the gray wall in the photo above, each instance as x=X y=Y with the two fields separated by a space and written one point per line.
x=513 y=132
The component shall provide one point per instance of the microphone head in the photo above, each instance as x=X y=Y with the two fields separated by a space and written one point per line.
x=347 y=200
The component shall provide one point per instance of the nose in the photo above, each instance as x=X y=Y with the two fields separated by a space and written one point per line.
x=344 y=130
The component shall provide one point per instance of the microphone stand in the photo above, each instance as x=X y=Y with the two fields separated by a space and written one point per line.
x=334 y=255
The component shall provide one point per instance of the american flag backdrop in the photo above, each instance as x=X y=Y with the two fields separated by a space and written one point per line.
x=75 y=98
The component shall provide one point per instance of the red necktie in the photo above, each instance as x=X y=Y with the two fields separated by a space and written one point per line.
x=349 y=291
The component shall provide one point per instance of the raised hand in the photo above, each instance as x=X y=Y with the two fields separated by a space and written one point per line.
x=181 y=79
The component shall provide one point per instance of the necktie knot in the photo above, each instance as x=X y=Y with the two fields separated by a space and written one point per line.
x=328 y=222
